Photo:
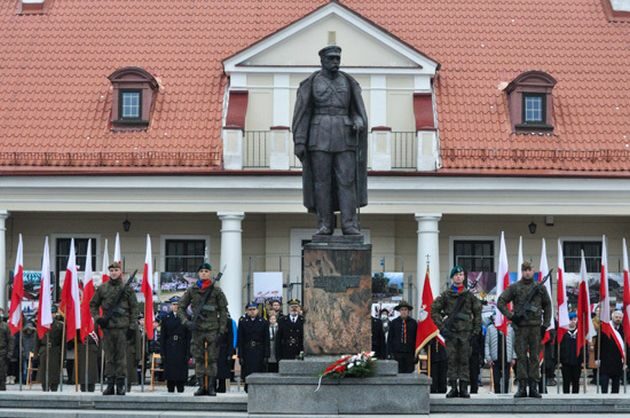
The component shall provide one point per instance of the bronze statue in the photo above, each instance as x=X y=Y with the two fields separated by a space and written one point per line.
x=330 y=136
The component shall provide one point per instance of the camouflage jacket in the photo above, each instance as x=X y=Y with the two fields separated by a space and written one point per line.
x=125 y=315
x=6 y=341
x=468 y=319
x=516 y=293
x=212 y=315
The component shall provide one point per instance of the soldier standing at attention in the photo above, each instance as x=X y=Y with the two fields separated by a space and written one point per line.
x=290 y=335
x=457 y=314
x=119 y=305
x=527 y=328
x=208 y=322
x=253 y=342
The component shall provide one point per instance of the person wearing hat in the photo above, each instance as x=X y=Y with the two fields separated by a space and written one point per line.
x=401 y=338
x=330 y=136
x=118 y=321
x=6 y=352
x=174 y=349
x=290 y=335
x=457 y=314
x=50 y=358
x=253 y=342
x=570 y=360
x=207 y=323
x=527 y=329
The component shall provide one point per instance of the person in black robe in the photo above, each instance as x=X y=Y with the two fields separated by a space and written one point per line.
x=253 y=342
x=226 y=350
x=175 y=350
x=401 y=339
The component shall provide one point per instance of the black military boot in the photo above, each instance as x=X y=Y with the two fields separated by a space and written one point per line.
x=121 y=387
x=533 y=389
x=463 y=389
x=211 y=387
x=109 y=390
x=454 y=392
x=522 y=389
x=201 y=391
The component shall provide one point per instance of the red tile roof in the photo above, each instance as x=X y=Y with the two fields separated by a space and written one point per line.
x=55 y=97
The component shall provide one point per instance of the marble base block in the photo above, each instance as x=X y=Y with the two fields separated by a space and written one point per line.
x=337 y=296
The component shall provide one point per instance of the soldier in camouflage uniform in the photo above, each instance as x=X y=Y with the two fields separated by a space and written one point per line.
x=527 y=329
x=50 y=357
x=121 y=325
x=6 y=351
x=206 y=328
x=458 y=330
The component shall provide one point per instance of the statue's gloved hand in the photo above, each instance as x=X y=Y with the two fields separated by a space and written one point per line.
x=300 y=151
x=358 y=124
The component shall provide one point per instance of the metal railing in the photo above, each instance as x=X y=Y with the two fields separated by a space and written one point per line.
x=404 y=150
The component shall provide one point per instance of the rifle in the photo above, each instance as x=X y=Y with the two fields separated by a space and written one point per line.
x=454 y=316
x=197 y=311
x=112 y=309
x=526 y=308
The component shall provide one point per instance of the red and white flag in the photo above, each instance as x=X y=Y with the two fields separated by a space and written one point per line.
x=44 y=314
x=604 y=303
x=543 y=271
x=519 y=260
x=105 y=265
x=586 y=331
x=87 y=322
x=426 y=327
x=70 y=300
x=147 y=290
x=626 y=294
x=117 y=256
x=15 y=310
x=503 y=282
x=563 y=301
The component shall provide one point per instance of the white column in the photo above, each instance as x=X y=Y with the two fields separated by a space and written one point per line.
x=3 y=259
x=232 y=260
x=428 y=244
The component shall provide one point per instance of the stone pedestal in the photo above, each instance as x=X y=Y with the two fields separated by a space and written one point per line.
x=337 y=295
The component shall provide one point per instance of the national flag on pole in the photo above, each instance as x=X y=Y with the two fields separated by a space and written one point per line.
x=604 y=303
x=70 y=300
x=563 y=301
x=15 y=310
x=503 y=282
x=626 y=294
x=105 y=265
x=585 y=328
x=543 y=271
x=44 y=313
x=147 y=290
x=87 y=322
x=117 y=256
x=426 y=327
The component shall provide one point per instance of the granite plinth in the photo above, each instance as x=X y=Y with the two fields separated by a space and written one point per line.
x=337 y=296
x=313 y=366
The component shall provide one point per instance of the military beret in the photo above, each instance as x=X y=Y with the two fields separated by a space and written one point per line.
x=456 y=270
x=204 y=266
x=330 y=50
x=294 y=302
x=527 y=265
x=114 y=265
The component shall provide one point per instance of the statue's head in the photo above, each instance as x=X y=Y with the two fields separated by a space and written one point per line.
x=330 y=58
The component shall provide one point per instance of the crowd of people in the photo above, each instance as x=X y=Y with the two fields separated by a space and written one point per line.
x=199 y=332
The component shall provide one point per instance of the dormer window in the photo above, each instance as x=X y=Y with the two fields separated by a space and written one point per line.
x=530 y=102
x=133 y=99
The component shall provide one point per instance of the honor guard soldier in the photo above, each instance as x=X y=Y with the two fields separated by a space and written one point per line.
x=290 y=335
x=401 y=339
x=118 y=322
x=208 y=321
x=48 y=351
x=530 y=318
x=253 y=342
x=457 y=314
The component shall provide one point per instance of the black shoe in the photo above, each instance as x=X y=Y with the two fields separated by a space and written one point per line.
x=463 y=390
x=522 y=391
x=109 y=390
x=211 y=391
x=201 y=391
x=121 y=388
x=533 y=389
x=454 y=392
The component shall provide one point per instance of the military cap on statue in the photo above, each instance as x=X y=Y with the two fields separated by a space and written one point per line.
x=403 y=304
x=456 y=270
x=527 y=265
x=204 y=266
x=330 y=50
x=294 y=302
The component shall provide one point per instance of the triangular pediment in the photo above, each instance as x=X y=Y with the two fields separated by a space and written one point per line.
x=364 y=45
